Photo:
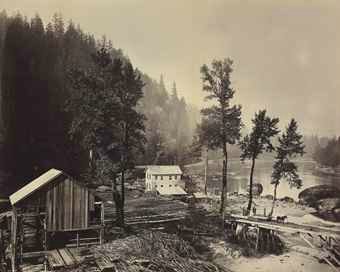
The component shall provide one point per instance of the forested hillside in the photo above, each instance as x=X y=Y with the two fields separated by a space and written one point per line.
x=35 y=60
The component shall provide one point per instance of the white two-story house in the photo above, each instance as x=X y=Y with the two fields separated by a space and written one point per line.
x=164 y=179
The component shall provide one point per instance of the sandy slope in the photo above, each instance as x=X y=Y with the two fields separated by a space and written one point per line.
x=289 y=262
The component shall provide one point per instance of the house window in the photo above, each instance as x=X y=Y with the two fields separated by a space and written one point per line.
x=175 y=176
x=170 y=177
x=156 y=177
x=170 y=185
x=161 y=177
x=175 y=185
x=156 y=186
x=162 y=185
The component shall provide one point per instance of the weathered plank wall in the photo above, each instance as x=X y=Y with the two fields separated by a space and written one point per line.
x=68 y=206
x=66 y=202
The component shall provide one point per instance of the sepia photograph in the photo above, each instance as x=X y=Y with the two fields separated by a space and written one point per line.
x=169 y=136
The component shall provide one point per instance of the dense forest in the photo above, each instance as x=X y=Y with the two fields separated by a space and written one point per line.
x=36 y=60
x=327 y=152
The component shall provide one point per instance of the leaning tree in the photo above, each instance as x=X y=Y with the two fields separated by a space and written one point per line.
x=258 y=142
x=223 y=119
x=290 y=146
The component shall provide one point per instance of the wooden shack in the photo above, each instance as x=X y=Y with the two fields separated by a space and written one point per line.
x=52 y=203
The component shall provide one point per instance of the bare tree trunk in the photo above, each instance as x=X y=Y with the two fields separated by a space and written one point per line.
x=224 y=180
x=206 y=172
x=117 y=199
x=122 y=199
x=274 y=199
x=115 y=196
x=250 y=202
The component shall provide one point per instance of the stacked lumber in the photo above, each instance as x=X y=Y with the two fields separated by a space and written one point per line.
x=104 y=264
x=55 y=260
x=152 y=251
x=30 y=226
x=32 y=268
x=65 y=258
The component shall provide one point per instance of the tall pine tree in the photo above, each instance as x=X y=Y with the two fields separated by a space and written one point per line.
x=290 y=146
x=258 y=142
x=224 y=119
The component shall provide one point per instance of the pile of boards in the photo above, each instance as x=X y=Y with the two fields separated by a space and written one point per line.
x=150 y=251
x=32 y=268
x=68 y=257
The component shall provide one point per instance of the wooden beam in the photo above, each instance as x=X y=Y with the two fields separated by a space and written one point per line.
x=287 y=227
x=102 y=222
x=45 y=241
x=322 y=256
x=34 y=254
x=86 y=208
x=71 y=214
x=14 y=238
x=257 y=239
x=77 y=239
x=95 y=227
x=55 y=260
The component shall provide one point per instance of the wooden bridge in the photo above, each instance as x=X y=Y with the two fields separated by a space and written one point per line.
x=325 y=239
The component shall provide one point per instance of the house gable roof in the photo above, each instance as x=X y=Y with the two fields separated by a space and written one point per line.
x=164 y=169
x=34 y=185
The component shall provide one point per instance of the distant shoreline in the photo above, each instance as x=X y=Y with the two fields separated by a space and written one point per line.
x=327 y=171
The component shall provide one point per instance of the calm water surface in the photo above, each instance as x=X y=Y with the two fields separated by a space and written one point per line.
x=238 y=178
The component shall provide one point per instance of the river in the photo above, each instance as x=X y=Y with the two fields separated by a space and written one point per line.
x=238 y=177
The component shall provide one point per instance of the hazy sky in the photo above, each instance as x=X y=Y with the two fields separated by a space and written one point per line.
x=286 y=53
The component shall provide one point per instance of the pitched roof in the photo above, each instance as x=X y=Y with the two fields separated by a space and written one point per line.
x=174 y=190
x=34 y=185
x=164 y=169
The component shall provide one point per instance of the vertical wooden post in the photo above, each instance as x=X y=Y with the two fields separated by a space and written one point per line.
x=2 y=246
x=45 y=232
x=264 y=212
x=71 y=208
x=45 y=241
x=77 y=237
x=14 y=238
x=21 y=235
x=257 y=239
x=102 y=217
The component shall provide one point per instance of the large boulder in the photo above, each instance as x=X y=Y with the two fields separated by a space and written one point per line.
x=328 y=204
x=269 y=197
x=287 y=199
x=312 y=195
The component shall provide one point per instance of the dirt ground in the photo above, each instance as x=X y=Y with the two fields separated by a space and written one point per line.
x=297 y=256
x=202 y=228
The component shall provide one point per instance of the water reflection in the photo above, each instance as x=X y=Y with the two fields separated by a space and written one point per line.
x=238 y=178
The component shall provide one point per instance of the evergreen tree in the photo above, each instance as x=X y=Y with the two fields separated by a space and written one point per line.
x=258 y=142
x=224 y=119
x=103 y=104
x=290 y=146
